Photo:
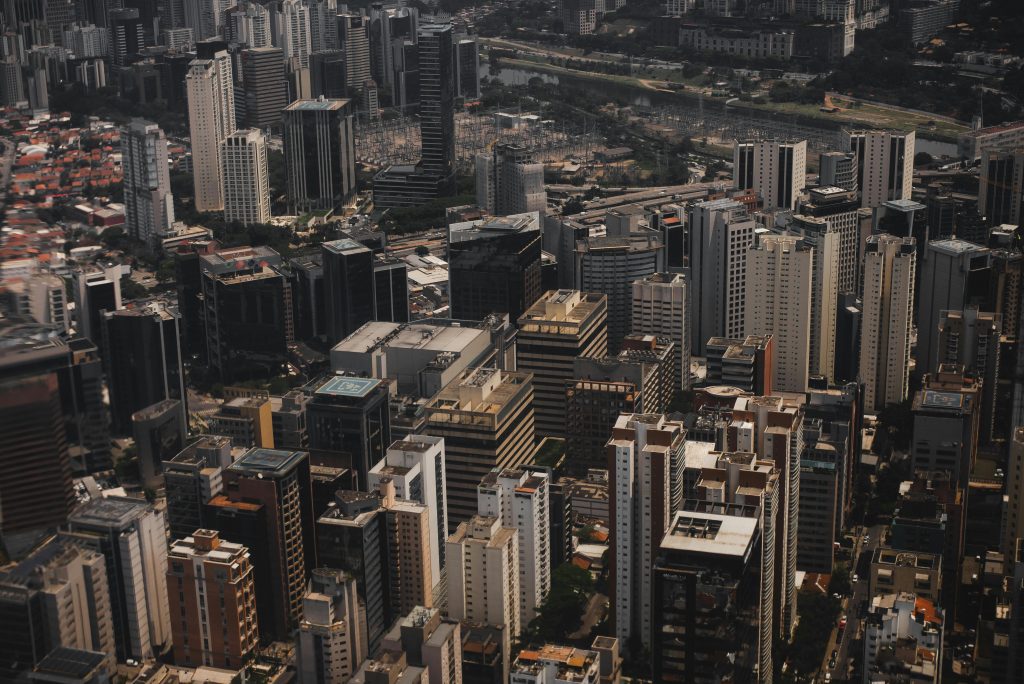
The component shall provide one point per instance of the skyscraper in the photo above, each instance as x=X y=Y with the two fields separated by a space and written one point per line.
x=508 y=181
x=331 y=642
x=885 y=165
x=295 y=32
x=211 y=116
x=263 y=86
x=354 y=40
x=1001 y=188
x=148 y=203
x=429 y=641
x=560 y=326
x=348 y=284
x=775 y=170
x=888 y=296
x=127 y=36
x=482 y=548
x=780 y=305
x=348 y=422
x=838 y=169
x=319 y=148
x=836 y=211
x=720 y=235
x=661 y=307
x=192 y=477
x=971 y=338
x=211 y=585
x=822 y=238
x=243 y=159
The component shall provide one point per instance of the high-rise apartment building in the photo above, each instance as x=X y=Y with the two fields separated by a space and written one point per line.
x=191 y=478
x=557 y=328
x=721 y=232
x=775 y=170
x=661 y=307
x=331 y=642
x=294 y=33
x=970 y=338
x=248 y=25
x=211 y=117
x=485 y=417
x=888 y=314
x=1014 y=492
x=212 y=601
x=131 y=535
x=429 y=641
x=885 y=165
x=836 y=211
x=825 y=242
x=780 y=305
x=519 y=499
x=553 y=664
x=409 y=551
x=264 y=91
x=954 y=275
x=947 y=415
x=319 y=147
x=148 y=203
x=744 y=362
x=354 y=41
x=838 y=170
x=1001 y=188
x=243 y=158
x=895 y=619
x=508 y=181
x=494 y=266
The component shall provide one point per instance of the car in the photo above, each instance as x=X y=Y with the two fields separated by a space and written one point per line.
x=842 y=623
x=828 y=676
x=866 y=539
x=832 y=664
x=855 y=578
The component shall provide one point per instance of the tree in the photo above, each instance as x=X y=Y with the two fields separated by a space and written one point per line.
x=561 y=613
x=573 y=206
x=423 y=250
x=839 y=582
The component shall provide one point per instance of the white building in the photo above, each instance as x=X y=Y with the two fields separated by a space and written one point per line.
x=243 y=160
x=821 y=234
x=780 y=305
x=87 y=41
x=205 y=17
x=148 y=202
x=887 y=319
x=508 y=181
x=721 y=232
x=519 y=499
x=661 y=306
x=211 y=118
x=885 y=165
x=249 y=25
x=331 y=642
x=903 y=639
x=775 y=170
x=295 y=32
x=554 y=664
x=677 y=8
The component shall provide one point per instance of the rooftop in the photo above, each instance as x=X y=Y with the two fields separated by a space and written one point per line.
x=347 y=386
x=258 y=461
x=711 y=533
x=318 y=105
x=71 y=663
x=110 y=512
x=345 y=246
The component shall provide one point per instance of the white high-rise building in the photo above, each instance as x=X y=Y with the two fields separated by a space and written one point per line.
x=677 y=8
x=661 y=306
x=243 y=160
x=827 y=243
x=295 y=32
x=780 y=305
x=519 y=499
x=211 y=118
x=775 y=170
x=416 y=467
x=885 y=165
x=721 y=232
x=331 y=642
x=887 y=319
x=87 y=41
x=205 y=17
x=248 y=24
x=509 y=181
x=148 y=202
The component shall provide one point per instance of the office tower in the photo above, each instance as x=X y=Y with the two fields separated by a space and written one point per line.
x=87 y=421
x=130 y=534
x=640 y=498
x=243 y=157
x=467 y=71
x=348 y=283
x=560 y=326
x=645 y=362
x=519 y=500
x=971 y=338
x=320 y=151
x=592 y=407
x=191 y=478
x=96 y=289
x=295 y=32
x=42 y=298
x=331 y=642
x=211 y=584
x=351 y=536
x=888 y=314
x=708 y=573
x=494 y=266
x=87 y=40
x=834 y=210
x=348 y=422
x=746 y=363
x=1001 y=188
x=825 y=243
x=838 y=170
x=610 y=264
x=266 y=503
x=661 y=307
x=897 y=619
x=327 y=74
x=486 y=419
x=390 y=289
x=241 y=340
x=954 y=275
x=148 y=202
x=127 y=38
x=946 y=420
x=248 y=24
x=508 y=181
x=885 y=165
x=775 y=170
x=428 y=641
x=720 y=235
x=1014 y=503
x=434 y=175
x=204 y=17
x=416 y=466
x=354 y=40
x=159 y=433
x=264 y=90
x=246 y=420
x=481 y=548
x=35 y=491
x=56 y=597
x=142 y=347
x=780 y=305
x=188 y=279
x=211 y=118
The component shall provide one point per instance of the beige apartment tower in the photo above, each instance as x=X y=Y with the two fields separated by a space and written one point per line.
x=661 y=307
x=885 y=165
x=243 y=158
x=211 y=118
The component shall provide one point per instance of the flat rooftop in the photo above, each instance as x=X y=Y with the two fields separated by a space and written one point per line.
x=711 y=533
x=346 y=386
x=426 y=335
x=272 y=461
x=318 y=105
x=345 y=246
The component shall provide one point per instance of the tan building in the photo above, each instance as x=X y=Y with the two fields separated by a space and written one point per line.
x=331 y=642
x=212 y=600
x=1013 y=505
x=248 y=421
x=486 y=419
x=408 y=541
x=912 y=572
x=560 y=326
x=661 y=308
x=429 y=641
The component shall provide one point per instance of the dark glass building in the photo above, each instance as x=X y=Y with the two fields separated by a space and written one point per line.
x=348 y=422
x=319 y=147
